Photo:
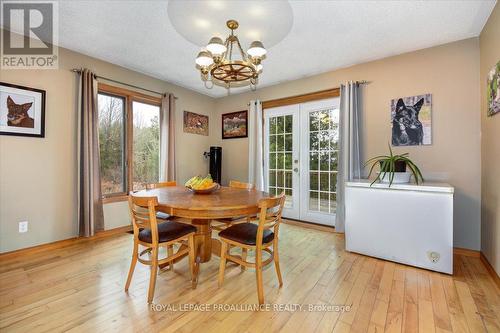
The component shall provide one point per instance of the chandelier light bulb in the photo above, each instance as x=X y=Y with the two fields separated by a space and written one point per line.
x=256 y=49
x=259 y=68
x=204 y=59
x=216 y=46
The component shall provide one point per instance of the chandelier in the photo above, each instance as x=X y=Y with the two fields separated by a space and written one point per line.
x=218 y=66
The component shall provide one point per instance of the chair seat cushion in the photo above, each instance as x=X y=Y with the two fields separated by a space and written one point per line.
x=162 y=216
x=246 y=233
x=167 y=231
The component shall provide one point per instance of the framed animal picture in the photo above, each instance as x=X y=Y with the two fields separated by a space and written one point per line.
x=411 y=119
x=235 y=125
x=195 y=123
x=493 y=90
x=22 y=110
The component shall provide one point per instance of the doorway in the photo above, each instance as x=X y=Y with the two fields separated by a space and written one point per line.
x=301 y=158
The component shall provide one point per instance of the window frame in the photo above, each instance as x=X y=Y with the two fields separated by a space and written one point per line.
x=129 y=96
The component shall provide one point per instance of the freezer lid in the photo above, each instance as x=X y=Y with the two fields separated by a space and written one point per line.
x=424 y=187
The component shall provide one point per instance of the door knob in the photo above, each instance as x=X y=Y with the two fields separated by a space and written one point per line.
x=296 y=170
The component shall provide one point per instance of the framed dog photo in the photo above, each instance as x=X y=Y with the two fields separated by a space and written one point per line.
x=411 y=119
x=235 y=125
x=22 y=110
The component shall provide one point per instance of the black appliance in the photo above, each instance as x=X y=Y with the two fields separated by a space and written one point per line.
x=215 y=170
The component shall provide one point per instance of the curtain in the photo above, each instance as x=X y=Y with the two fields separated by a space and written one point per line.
x=90 y=211
x=167 y=138
x=255 y=145
x=349 y=143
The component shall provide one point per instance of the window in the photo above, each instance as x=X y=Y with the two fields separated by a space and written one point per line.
x=146 y=145
x=129 y=141
x=112 y=143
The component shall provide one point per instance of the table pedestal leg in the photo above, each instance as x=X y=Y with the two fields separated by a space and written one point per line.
x=203 y=239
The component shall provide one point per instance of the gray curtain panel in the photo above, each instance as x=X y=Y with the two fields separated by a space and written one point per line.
x=167 y=138
x=90 y=212
x=350 y=163
x=255 y=145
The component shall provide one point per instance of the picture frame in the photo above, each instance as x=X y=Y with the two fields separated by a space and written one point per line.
x=411 y=119
x=22 y=110
x=493 y=90
x=195 y=123
x=235 y=125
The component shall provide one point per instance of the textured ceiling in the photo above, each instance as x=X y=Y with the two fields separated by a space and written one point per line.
x=325 y=35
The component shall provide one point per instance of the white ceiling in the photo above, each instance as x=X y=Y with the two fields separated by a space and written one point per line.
x=325 y=35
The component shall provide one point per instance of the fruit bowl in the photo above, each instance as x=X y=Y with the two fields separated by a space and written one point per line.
x=207 y=190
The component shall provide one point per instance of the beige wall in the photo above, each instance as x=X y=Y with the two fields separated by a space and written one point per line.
x=490 y=146
x=450 y=72
x=38 y=176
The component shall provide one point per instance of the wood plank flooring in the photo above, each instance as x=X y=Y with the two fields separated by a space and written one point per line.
x=79 y=288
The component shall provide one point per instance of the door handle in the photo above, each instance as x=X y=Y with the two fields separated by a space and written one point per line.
x=296 y=170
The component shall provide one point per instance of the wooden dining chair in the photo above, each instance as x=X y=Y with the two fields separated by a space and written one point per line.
x=161 y=216
x=152 y=186
x=153 y=235
x=259 y=237
x=227 y=222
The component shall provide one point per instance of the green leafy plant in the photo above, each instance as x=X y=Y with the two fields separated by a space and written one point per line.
x=388 y=166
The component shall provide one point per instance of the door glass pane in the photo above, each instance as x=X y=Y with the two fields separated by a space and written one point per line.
x=323 y=160
x=280 y=142
x=111 y=113
x=281 y=156
x=288 y=161
x=288 y=124
x=288 y=142
x=272 y=143
x=146 y=144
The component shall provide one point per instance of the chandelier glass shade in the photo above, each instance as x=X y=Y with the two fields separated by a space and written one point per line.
x=218 y=64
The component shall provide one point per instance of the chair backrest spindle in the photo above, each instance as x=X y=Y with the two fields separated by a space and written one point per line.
x=270 y=215
x=143 y=213
x=152 y=186
x=237 y=184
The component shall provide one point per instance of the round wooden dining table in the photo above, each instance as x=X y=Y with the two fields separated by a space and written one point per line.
x=201 y=209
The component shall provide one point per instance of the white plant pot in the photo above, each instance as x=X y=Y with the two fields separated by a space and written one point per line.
x=399 y=177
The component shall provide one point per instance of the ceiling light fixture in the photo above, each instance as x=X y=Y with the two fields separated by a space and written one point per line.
x=217 y=64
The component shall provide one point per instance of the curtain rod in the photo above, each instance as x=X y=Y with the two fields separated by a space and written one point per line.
x=359 y=82
x=76 y=70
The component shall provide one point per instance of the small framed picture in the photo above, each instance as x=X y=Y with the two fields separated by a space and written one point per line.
x=235 y=125
x=493 y=90
x=22 y=111
x=195 y=123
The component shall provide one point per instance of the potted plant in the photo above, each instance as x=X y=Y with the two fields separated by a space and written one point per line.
x=393 y=168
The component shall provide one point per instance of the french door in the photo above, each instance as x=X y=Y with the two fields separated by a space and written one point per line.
x=301 y=158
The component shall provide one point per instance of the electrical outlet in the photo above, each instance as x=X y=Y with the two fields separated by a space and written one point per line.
x=23 y=226
x=433 y=256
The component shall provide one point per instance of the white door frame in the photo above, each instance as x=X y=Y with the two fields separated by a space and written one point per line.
x=300 y=141
x=293 y=211
x=305 y=213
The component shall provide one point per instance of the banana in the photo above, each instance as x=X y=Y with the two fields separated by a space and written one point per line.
x=199 y=183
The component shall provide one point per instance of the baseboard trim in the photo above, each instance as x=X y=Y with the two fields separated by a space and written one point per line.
x=490 y=269
x=310 y=225
x=64 y=243
x=466 y=252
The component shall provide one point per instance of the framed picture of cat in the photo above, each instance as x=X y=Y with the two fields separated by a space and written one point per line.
x=22 y=111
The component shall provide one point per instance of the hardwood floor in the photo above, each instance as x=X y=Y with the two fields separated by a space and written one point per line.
x=79 y=288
